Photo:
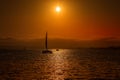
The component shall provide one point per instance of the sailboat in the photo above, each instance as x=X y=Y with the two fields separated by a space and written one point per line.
x=46 y=45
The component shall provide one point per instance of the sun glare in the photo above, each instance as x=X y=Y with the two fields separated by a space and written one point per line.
x=58 y=9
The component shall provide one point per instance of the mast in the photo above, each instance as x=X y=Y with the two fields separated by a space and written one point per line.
x=46 y=43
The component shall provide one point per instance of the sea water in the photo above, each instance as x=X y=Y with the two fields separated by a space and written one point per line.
x=65 y=64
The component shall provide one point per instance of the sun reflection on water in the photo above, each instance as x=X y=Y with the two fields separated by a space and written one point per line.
x=59 y=64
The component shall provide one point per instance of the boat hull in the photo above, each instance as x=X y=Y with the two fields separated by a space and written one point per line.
x=46 y=51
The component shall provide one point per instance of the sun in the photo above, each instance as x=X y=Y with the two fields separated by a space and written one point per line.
x=58 y=9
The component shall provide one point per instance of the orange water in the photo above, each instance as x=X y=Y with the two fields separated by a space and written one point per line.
x=65 y=64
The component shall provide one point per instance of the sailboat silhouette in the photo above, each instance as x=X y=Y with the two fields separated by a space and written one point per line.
x=46 y=45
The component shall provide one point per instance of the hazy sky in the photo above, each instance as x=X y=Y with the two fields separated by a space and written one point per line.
x=78 y=19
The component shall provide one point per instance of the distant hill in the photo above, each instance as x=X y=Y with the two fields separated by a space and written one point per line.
x=10 y=43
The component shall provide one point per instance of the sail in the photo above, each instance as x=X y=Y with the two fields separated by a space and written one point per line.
x=46 y=44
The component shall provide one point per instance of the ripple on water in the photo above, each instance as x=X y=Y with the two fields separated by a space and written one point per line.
x=61 y=65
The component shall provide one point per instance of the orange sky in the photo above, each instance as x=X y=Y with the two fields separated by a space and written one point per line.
x=79 y=20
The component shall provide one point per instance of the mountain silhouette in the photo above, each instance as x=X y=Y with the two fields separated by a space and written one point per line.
x=12 y=43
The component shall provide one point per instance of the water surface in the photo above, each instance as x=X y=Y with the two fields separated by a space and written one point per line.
x=65 y=64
